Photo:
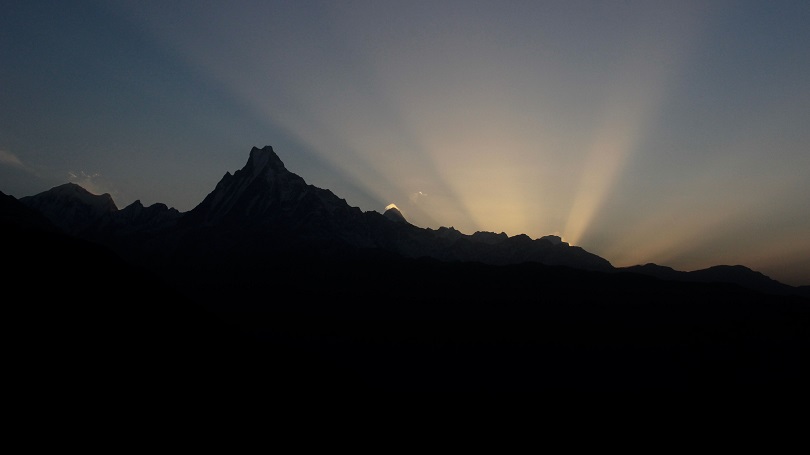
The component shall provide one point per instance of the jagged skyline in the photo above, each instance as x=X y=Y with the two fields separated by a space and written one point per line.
x=288 y=211
x=662 y=132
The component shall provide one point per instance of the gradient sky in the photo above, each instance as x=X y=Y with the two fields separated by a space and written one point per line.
x=673 y=132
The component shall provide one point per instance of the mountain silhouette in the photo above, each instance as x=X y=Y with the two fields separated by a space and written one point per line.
x=264 y=208
x=271 y=277
x=736 y=274
x=93 y=331
x=393 y=214
x=71 y=207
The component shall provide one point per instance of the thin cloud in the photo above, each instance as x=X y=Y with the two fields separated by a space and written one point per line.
x=417 y=197
x=10 y=159
x=87 y=181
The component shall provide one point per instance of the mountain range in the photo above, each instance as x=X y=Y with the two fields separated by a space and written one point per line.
x=264 y=207
x=273 y=281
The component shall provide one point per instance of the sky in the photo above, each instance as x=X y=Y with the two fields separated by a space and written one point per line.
x=673 y=132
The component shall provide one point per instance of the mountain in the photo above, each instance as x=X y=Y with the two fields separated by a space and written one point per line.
x=393 y=214
x=264 y=208
x=272 y=287
x=264 y=194
x=76 y=211
x=14 y=214
x=735 y=274
x=71 y=207
x=91 y=330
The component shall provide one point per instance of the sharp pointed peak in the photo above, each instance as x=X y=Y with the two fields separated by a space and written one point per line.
x=265 y=149
x=393 y=213
x=260 y=158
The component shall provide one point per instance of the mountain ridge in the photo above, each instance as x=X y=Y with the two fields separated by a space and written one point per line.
x=264 y=207
x=286 y=281
x=267 y=205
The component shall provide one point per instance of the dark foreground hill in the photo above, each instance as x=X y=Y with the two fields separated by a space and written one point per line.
x=274 y=291
x=89 y=332
x=98 y=330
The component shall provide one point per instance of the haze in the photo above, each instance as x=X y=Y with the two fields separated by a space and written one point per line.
x=669 y=132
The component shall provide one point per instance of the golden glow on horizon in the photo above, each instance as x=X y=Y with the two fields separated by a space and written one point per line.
x=483 y=138
x=8 y=158
x=605 y=160
x=520 y=141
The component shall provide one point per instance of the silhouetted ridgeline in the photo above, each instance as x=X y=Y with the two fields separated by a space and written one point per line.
x=272 y=279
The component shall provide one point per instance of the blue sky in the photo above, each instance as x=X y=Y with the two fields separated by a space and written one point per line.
x=670 y=132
